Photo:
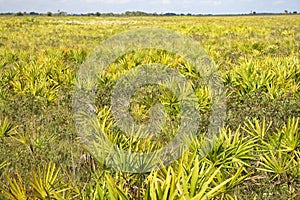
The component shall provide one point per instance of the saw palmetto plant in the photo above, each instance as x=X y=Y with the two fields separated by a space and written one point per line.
x=256 y=155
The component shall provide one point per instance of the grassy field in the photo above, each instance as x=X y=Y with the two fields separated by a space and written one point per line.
x=257 y=155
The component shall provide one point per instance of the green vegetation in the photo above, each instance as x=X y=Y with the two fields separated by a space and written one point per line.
x=257 y=155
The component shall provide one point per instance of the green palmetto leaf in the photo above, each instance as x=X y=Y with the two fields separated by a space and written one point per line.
x=3 y=164
x=23 y=138
x=18 y=86
x=237 y=179
x=6 y=128
x=15 y=190
x=257 y=129
x=194 y=177
x=243 y=151
x=213 y=191
x=170 y=191
x=278 y=162
x=205 y=190
x=163 y=186
x=147 y=195
x=114 y=191
x=232 y=149
x=46 y=183
x=99 y=193
x=199 y=182
x=291 y=135
x=90 y=191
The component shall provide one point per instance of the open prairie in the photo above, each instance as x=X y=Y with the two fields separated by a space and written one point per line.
x=256 y=154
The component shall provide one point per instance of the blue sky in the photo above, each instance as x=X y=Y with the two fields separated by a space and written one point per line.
x=159 y=6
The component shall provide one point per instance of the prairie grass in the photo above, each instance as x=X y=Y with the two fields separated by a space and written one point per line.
x=257 y=154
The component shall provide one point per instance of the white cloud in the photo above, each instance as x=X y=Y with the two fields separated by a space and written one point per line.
x=187 y=1
x=159 y=6
x=165 y=2
x=109 y=1
x=211 y=2
x=279 y=2
x=159 y=2
x=247 y=1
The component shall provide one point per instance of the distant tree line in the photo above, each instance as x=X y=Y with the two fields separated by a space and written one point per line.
x=134 y=13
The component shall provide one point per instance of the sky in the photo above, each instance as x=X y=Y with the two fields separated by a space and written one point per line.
x=151 y=6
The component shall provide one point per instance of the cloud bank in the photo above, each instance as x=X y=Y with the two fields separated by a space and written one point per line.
x=159 y=6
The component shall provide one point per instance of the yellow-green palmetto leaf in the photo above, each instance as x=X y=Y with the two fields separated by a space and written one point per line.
x=3 y=164
x=6 y=128
x=278 y=162
x=15 y=190
x=194 y=177
x=46 y=183
x=257 y=129
x=291 y=135
x=114 y=191
x=205 y=190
